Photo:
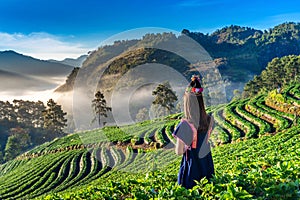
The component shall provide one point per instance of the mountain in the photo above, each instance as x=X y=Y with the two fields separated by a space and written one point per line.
x=25 y=75
x=247 y=49
x=70 y=81
x=14 y=62
x=230 y=58
x=239 y=52
x=77 y=62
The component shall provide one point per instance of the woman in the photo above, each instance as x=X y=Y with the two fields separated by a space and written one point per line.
x=192 y=141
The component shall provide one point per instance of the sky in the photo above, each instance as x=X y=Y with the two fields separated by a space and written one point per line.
x=57 y=29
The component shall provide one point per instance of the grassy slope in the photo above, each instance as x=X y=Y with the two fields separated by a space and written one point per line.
x=117 y=162
x=264 y=168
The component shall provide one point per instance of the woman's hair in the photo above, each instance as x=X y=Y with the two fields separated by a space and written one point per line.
x=194 y=111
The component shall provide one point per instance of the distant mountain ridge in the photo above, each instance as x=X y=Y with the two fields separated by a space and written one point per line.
x=239 y=52
x=24 y=73
x=18 y=63
x=74 y=62
x=249 y=49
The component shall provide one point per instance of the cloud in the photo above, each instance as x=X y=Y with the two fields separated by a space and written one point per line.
x=44 y=95
x=41 y=45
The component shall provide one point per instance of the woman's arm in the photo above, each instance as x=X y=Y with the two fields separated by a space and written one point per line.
x=179 y=149
x=210 y=127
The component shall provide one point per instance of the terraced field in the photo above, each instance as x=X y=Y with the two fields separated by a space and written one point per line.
x=95 y=156
x=252 y=118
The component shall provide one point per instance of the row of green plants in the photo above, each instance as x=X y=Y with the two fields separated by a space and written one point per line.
x=57 y=143
x=247 y=127
x=54 y=180
x=283 y=122
x=295 y=91
x=251 y=117
x=279 y=108
x=272 y=118
x=221 y=121
x=13 y=176
x=149 y=135
x=72 y=172
x=219 y=136
x=159 y=137
x=17 y=183
x=10 y=165
x=264 y=127
x=264 y=168
x=169 y=128
x=69 y=172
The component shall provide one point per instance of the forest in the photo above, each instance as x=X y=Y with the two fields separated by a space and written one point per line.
x=25 y=124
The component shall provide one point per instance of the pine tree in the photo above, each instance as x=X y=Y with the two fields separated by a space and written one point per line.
x=164 y=96
x=54 y=117
x=99 y=106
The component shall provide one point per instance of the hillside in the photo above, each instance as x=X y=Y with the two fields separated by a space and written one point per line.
x=278 y=73
x=26 y=65
x=237 y=53
x=234 y=56
x=248 y=49
x=74 y=62
x=256 y=156
x=22 y=75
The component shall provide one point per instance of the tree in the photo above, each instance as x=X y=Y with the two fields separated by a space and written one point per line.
x=279 y=72
x=18 y=141
x=99 y=106
x=7 y=112
x=37 y=114
x=54 y=117
x=142 y=115
x=164 y=96
x=29 y=113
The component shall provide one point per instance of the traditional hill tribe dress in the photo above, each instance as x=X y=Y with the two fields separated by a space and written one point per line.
x=197 y=160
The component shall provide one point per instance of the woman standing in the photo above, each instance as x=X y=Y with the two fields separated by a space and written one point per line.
x=192 y=141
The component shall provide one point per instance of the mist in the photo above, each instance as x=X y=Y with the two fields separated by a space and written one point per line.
x=18 y=86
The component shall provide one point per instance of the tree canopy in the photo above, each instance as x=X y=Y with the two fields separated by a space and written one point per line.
x=164 y=96
x=100 y=107
x=25 y=124
x=279 y=72
x=54 y=117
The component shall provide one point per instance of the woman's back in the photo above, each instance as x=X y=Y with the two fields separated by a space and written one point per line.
x=197 y=160
x=196 y=163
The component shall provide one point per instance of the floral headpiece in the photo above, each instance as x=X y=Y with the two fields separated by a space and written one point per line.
x=194 y=90
x=194 y=86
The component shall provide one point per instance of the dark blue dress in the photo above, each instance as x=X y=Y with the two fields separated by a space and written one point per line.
x=196 y=163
